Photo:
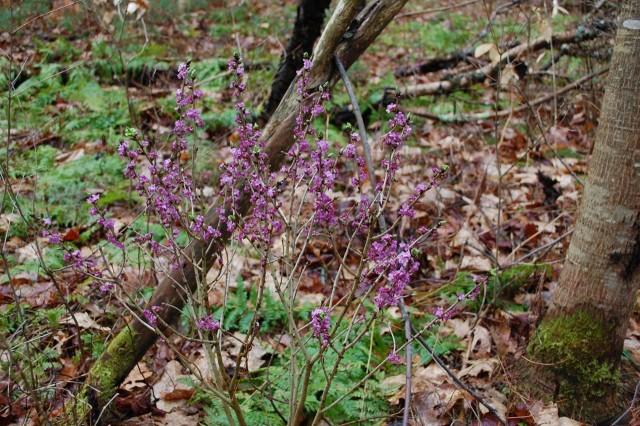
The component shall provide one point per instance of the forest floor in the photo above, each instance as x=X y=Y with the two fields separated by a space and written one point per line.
x=505 y=211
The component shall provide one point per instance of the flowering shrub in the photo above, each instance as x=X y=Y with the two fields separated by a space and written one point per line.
x=291 y=206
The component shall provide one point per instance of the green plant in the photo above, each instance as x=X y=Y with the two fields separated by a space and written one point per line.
x=270 y=406
x=500 y=285
x=239 y=311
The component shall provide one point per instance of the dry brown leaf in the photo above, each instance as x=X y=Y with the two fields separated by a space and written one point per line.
x=481 y=343
x=69 y=156
x=547 y=415
x=424 y=379
x=476 y=263
x=433 y=405
x=69 y=370
x=497 y=400
x=459 y=327
x=232 y=346
x=177 y=418
x=39 y=294
x=137 y=377
x=171 y=389
x=6 y=220
x=84 y=321
x=27 y=253
x=501 y=335
x=479 y=367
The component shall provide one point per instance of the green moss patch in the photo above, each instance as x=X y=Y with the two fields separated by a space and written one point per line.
x=577 y=349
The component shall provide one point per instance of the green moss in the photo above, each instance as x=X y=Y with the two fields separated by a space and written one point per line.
x=102 y=382
x=76 y=411
x=578 y=348
x=105 y=374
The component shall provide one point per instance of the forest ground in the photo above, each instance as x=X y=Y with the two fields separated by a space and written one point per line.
x=505 y=210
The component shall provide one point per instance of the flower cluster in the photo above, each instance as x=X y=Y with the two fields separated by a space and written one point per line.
x=150 y=315
x=308 y=163
x=166 y=186
x=400 y=128
x=83 y=264
x=248 y=176
x=394 y=358
x=208 y=323
x=323 y=178
x=320 y=324
x=445 y=314
x=406 y=209
x=52 y=236
x=394 y=261
x=107 y=224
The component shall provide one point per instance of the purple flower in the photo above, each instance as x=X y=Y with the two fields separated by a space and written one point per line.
x=194 y=115
x=394 y=358
x=320 y=323
x=316 y=110
x=208 y=324
x=106 y=287
x=182 y=71
x=46 y=221
x=444 y=315
x=123 y=148
x=81 y=264
x=400 y=129
x=396 y=262
x=323 y=146
x=211 y=232
x=74 y=258
x=350 y=151
x=407 y=211
x=55 y=238
x=93 y=198
x=150 y=315
x=181 y=128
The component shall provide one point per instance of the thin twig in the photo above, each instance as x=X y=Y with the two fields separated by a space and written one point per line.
x=410 y=332
x=631 y=405
x=455 y=379
x=383 y=228
x=539 y=249
x=35 y=18
x=437 y=9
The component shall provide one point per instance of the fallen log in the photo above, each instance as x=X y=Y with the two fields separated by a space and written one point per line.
x=466 y=79
x=492 y=115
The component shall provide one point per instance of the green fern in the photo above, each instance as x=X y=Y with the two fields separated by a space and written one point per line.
x=239 y=311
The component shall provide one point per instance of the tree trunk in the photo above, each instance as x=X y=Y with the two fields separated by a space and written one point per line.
x=306 y=30
x=132 y=342
x=582 y=334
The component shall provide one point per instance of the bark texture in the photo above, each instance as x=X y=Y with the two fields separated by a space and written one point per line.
x=132 y=342
x=306 y=30
x=582 y=334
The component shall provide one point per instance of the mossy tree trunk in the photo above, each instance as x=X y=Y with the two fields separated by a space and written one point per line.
x=582 y=334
